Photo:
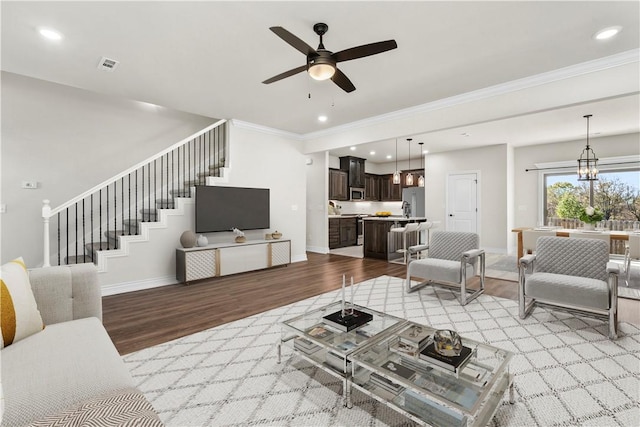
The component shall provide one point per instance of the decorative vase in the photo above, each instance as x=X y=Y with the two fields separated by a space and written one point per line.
x=588 y=226
x=202 y=240
x=276 y=234
x=188 y=239
x=241 y=239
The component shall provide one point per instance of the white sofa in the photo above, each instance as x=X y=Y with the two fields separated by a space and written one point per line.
x=71 y=368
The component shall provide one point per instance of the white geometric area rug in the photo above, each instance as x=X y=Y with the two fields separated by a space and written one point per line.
x=566 y=370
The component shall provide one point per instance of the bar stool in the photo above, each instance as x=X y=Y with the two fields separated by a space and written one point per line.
x=421 y=247
x=411 y=227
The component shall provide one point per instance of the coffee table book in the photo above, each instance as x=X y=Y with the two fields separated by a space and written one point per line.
x=348 y=322
x=416 y=336
x=453 y=364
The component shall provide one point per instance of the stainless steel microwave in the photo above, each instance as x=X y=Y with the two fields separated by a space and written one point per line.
x=356 y=193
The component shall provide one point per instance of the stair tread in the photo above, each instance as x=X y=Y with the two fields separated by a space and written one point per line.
x=78 y=259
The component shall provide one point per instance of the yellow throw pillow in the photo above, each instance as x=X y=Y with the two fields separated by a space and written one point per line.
x=18 y=310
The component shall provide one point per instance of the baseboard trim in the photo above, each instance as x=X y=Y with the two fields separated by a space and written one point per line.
x=138 y=285
x=318 y=249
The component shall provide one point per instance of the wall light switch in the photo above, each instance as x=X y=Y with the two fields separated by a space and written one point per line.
x=294 y=207
x=30 y=184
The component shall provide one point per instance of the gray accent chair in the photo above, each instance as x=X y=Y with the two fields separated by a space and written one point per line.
x=573 y=274
x=453 y=257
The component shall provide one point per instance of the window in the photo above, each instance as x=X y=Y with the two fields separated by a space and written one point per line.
x=616 y=194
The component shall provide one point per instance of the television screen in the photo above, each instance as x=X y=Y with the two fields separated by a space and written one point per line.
x=225 y=208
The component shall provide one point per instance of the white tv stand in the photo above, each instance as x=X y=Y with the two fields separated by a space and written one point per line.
x=222 y=259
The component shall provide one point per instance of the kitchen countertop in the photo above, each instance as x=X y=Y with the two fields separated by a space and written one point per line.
x=395 y=218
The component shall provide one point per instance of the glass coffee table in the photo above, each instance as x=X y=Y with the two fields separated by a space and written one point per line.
x=428 y=393
x=328 y=347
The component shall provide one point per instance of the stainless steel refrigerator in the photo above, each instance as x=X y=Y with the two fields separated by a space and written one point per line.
x=414 y=196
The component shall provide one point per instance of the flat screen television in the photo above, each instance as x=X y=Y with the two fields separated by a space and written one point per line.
x=225 y=208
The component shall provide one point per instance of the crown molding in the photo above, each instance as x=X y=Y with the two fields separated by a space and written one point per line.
x=265 y=129
x=617 y=60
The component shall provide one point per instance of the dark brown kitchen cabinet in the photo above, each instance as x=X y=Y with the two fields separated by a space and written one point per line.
x=375 y=241
x=343 y=232
x=354 y=166
x=372 y=187
x=389 y=192
x=334 y=233
x=338 y=185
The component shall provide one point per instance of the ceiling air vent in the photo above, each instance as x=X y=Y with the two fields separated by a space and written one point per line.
x=107 y=64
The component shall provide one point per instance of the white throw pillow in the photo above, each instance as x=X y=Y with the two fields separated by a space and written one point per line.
x=18 y=310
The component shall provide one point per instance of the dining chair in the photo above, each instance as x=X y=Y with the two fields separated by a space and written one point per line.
x=529 y=238
x=631 y=252
x=600 y=236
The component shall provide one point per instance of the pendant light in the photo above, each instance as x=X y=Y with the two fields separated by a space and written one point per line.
x=396 y=174
x=409 y=178
x=588 y=162
x=421 y=177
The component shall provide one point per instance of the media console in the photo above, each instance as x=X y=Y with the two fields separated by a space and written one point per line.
x=222 y=259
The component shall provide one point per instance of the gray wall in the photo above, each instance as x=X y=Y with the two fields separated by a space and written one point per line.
x=69 y=140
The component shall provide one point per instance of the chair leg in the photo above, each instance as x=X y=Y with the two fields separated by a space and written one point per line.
x=464 y=298
x=613 y=306
x=523 y=308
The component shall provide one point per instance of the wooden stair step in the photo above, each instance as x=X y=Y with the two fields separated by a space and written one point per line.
x=78 y=259
x=165 y=204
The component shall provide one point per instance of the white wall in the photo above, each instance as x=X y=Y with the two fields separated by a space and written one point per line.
x=317 y=206
x=491 y=162
x=259 y=159
x=69 y=140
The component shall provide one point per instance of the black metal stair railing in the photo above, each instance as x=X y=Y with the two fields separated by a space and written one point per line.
x=95 y=220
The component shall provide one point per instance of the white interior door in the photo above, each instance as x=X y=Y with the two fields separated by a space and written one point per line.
x=462 y=202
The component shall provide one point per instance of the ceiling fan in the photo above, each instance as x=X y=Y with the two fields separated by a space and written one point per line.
x=321 y=63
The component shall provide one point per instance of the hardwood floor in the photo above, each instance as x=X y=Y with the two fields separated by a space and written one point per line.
x=138 y=320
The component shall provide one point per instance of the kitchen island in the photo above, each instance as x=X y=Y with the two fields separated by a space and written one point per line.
x=380 y=243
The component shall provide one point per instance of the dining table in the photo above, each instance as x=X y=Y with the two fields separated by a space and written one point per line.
x=564 y=232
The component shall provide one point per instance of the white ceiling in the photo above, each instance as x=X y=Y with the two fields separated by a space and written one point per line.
x=210 y=58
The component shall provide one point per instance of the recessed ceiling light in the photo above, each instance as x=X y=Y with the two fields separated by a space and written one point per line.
x=322 y=118
x=352 y=148
x=389 y=156
x=425 y=152
x=607 y=33
x=50 y=34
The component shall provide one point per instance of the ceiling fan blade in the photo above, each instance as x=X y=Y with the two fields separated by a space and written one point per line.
x=343 y=81
x=293 y=41
x=286 y=74
x=364 y=50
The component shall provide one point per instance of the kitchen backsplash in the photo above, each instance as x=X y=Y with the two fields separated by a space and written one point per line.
x=370 y=207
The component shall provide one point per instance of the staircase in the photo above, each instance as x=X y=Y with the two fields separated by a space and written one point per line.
x=98 y=222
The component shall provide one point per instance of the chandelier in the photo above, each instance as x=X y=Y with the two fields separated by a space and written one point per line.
x=588 y=162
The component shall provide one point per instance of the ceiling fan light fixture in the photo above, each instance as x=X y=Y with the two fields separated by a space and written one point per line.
x=321 y=71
